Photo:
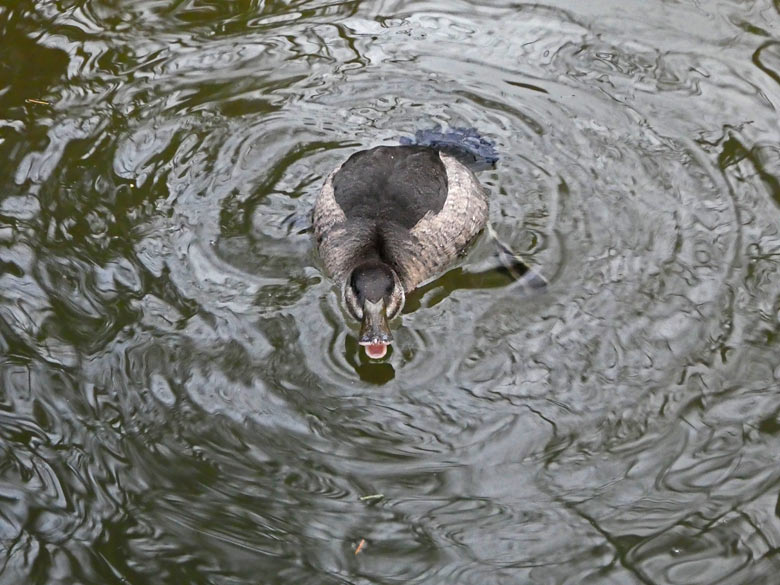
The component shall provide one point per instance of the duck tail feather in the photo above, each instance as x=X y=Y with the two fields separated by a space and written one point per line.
x=465 y=144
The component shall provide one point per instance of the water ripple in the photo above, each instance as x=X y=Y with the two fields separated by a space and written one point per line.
x=182 y=396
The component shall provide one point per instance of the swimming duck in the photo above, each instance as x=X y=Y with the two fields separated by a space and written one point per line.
x=388 y=219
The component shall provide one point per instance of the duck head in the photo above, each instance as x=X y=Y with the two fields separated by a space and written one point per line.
x=373 y=294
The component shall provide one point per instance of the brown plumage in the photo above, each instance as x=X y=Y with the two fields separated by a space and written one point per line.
x=411 y=209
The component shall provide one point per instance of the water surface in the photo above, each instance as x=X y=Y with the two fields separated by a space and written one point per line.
x=181 y=401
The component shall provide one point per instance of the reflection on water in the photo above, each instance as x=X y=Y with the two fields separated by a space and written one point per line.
x=180 y=401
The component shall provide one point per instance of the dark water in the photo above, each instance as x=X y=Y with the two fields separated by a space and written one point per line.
x=180 y=401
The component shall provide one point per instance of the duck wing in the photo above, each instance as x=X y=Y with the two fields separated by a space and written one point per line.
x=439 y=237
x=329 y=220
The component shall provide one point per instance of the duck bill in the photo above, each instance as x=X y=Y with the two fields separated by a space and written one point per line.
x=374 y=331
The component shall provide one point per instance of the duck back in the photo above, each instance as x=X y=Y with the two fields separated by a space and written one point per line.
x=397 y=184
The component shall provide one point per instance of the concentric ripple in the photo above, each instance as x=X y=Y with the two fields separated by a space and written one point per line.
x=182 y=395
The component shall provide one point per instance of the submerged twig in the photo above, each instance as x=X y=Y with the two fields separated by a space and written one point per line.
x=360 y=546
x=372 y=497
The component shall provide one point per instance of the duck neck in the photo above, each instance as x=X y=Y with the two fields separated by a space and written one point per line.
x=373 y=249
x=375 y=243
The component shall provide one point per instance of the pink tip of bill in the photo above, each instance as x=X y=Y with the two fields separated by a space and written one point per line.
x=376 y=350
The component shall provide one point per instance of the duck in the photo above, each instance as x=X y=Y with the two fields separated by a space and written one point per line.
x=388 y=219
